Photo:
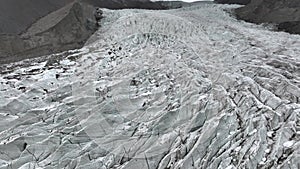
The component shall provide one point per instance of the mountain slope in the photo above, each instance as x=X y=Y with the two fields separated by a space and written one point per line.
x=16 y=15
x=185 y=88
x=61 y=30
x=47 y=27
x=286 y=14
x=122 y=4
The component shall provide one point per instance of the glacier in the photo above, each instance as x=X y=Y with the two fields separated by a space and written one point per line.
x=184 y=88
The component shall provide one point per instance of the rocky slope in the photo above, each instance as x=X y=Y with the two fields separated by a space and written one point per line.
x=285 y=14
x=33 y=32
x=123 y=4
x=16 y=15
x=64 y=29
x=186 y=88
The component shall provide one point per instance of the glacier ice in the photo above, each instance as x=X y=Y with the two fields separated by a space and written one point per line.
x=185 y=88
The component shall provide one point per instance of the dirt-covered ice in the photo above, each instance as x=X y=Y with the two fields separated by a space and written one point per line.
x=185 y=88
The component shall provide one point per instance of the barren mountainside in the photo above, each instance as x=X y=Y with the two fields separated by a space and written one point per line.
x=32 y=28
x=17 y=15
x=66 y=28
x=285 y=14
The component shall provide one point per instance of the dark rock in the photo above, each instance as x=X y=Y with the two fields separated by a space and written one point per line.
x=65 y=29
x=291 y=27
x=16 y=15
x=241 y=2
x=98 y=14
x=284 y=13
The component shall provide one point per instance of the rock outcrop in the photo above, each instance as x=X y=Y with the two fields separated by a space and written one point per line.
x=285 y=14
x=291 y=27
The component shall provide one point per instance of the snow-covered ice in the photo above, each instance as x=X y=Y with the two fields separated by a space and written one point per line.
x=184 y=88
